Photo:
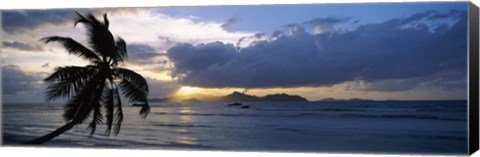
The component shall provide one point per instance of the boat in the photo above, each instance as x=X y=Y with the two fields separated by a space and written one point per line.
x=244 y=107
x=235 y=104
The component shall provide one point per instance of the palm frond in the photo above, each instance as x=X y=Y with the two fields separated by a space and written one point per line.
x=121 y=51
x=118 y=112
x=93 y=20
x=105 y=20
x=108 y=101
x=97 y=117
x=94 y=106
x=84 y=101
x=133 y=78
x=66 y=81
x=73 y=47
x=134 y=87
x=66 y=73
x=99 y=37
x=131 y=92
x=134 y=94
x=81 y=19
x=145 y=110
x=77 y=108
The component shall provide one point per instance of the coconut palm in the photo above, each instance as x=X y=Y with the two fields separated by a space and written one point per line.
x=94 y=90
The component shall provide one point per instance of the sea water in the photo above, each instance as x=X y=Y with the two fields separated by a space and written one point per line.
x=432 y=127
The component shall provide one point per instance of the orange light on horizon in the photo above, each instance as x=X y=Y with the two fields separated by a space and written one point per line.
x=186 y=90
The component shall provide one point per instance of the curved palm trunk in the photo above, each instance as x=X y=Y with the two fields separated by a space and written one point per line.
x=53 y=134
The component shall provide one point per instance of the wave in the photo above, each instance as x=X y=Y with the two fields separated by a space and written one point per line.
x=239 y=114
x=370 y=109
x=212 y=114
x=180 y=125
x=337 y=109
x=403 y=117
x=450 y=137
x=320 y=115
x=366 y=109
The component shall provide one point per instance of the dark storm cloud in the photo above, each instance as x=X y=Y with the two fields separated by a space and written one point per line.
x=21 y=46
x=327 y=20
x=372 y=53
x=189 y=58
x=19 y=21
x=416 y=17
x=141 y=54
x=15 y=81
x=446 y=81
x=254 y=36
x=276 y=34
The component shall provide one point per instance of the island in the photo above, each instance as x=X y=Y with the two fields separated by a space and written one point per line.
x=233 y=97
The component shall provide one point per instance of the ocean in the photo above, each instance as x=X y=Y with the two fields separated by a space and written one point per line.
x=431 y=127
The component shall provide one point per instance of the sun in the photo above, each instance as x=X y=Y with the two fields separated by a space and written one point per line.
x=186 y=90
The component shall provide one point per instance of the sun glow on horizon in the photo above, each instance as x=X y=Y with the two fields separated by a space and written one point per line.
x=186 y=90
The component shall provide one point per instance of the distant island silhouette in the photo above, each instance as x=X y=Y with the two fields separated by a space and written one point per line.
x=242 y=97
x=233 y=97
x=334 y=100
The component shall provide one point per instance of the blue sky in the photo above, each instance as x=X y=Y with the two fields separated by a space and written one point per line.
x=374 y=51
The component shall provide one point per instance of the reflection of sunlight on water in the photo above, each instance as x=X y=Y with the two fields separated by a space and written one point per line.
x=185 y=119
x=186 y=110
x=186 y=139
x=181 y=130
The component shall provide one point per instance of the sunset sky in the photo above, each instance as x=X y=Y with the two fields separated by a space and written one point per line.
x=373 y=51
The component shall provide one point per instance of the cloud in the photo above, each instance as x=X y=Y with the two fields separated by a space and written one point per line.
x=229 y=22
x=142 y=54
x=322 y=25
x=247 y=40
x=17 y=21
x=446 y=81
x=373 y=53
x=205 y=56
x=162 y=89
x=46 y=65
x=167 y=42
x=15 y=81
x=22 y=46
x=162 y=31
x=417 y=17
x=327 y=20
x=20 y=21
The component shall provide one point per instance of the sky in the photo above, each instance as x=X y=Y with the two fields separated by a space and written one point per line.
x=407 y=51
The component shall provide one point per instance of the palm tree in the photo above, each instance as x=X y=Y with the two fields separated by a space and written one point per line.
x=97 y=85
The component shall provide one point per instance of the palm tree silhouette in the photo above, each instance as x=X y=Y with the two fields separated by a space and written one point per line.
x=97 y=85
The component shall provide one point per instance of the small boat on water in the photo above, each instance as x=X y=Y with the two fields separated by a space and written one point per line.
x=235 y=104
x=244 y=107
